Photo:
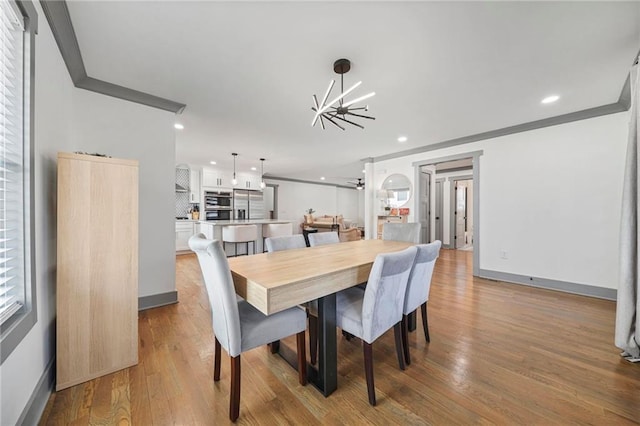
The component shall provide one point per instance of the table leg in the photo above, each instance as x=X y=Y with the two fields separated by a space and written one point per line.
x=325 y=378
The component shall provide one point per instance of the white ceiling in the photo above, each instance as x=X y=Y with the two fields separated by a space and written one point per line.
x=440 y=70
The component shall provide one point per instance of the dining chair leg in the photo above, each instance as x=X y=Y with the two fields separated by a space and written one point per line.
x=234 y=399
x=405 y=340
x=425 y=323
x=368 y=371
x=397 y=333
x=274 y=346
x=216 y=360
x=302 y=358
x=313 y=339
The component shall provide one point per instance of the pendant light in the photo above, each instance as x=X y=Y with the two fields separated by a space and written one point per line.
x=234 y=181
x=262 y=184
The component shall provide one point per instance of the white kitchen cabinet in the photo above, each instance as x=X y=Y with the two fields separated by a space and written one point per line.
x=184 y=231
x=194 y=186
x=215 y=179
x=248 y=181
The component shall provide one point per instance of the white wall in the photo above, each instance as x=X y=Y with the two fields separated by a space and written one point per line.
x=127 y=130
x=550 y=197
x=295 y=198
x=112 y=126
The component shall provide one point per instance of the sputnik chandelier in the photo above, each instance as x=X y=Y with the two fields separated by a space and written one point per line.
x=338 y=108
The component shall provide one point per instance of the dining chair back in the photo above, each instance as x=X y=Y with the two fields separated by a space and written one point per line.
x=285 y=243
x=270 y=230
x=418 y=287
x=369 y=313
x=238 y=326
x=409 y=232
x=322 y=238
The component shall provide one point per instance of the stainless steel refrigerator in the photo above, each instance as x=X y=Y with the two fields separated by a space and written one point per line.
x=248 y=204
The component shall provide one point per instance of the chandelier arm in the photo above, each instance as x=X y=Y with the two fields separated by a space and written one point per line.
x=361 y=98
x=315 y=102
x=329 y=118
x=342 y=95
x=360 y=115
x=348 y=121
x=321 y=106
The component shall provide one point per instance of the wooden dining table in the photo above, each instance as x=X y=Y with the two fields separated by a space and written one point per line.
x=272 y=282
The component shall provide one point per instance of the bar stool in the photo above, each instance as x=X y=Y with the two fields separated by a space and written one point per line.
x=240 y=234
x=270 y=230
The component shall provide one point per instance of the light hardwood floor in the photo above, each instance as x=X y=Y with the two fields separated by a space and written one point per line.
x=499 y=354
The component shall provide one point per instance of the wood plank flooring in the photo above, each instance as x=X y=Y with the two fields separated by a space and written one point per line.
x=499 y=354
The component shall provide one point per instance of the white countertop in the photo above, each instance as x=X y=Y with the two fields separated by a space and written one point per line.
x=243 y=222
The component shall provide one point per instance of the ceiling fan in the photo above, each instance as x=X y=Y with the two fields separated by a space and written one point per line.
x=359 y=184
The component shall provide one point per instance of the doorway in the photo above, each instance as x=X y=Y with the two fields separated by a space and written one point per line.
x=445 y=174
x=462 y=213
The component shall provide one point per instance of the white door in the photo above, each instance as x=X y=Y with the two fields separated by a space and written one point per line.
x=461 y=214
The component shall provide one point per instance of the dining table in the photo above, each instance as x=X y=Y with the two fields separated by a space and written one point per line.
x=272 y=282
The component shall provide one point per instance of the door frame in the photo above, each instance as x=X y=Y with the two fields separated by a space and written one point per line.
x=427 y=230
x=475 y=156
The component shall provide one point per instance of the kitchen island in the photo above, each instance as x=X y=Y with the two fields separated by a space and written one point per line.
x=212 y=229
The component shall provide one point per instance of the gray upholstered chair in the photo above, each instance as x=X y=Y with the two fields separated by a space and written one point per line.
x=322 y=238
x=417 y=293
x=285 y=243
x=409 y=232
x=369 y=313
x=271 y=230
x=238 y=326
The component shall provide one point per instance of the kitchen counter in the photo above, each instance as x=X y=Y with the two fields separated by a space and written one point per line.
x=243 y=222
x=212 y=229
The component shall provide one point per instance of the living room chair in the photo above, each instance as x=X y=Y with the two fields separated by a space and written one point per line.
x=285 y=243
x=409 y=232
x=238 y=326
x=351 y=234
x=369 y=313
x=418 y=287
x=322 y=238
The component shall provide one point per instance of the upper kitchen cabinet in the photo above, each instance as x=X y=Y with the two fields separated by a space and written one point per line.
x=194 y=186
x=248 y=181
x=215 y=179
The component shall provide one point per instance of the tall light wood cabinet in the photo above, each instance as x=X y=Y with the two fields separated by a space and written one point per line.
x=97 y=271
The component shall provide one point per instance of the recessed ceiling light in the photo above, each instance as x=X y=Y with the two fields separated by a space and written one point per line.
x=178 y=126
x=254 y=169
x=550 y=99
x=364 y=171
x=402 y=139
x=213 y=162
x=322 y=178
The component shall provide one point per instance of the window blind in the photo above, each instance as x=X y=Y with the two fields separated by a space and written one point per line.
x=12 y=163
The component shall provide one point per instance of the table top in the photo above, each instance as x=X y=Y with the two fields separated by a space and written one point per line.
x=272 y=282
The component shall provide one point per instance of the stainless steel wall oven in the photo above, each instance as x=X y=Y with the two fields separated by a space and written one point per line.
x=218 y=205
